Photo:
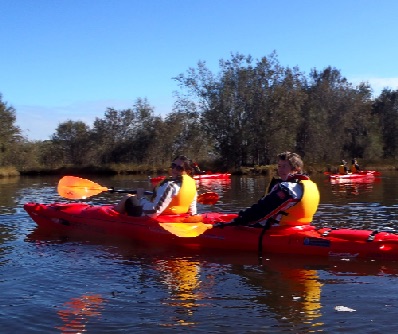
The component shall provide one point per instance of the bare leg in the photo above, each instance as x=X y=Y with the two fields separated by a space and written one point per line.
x=121 y=206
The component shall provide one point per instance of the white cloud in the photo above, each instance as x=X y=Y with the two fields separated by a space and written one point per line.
x=378 y=84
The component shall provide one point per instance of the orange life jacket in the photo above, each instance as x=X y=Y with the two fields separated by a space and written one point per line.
x=182 y=201
x=303 y=212
x=342 y=169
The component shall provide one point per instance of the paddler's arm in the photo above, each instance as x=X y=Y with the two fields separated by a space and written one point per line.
x=192 y=208
x=164 y=195
x=270 y=204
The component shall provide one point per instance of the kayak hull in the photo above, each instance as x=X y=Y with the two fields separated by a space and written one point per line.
x=369 y=174
x=84 y=219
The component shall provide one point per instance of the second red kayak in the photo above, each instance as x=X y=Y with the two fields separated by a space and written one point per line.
x=197 y=177
x=353 y=176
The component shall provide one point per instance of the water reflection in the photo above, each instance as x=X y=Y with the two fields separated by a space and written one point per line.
x=77 y=312
x=291 y=287
x=216 y=185
x=181 y=278
x=288 y=288
x=349 y=188
x=286 y=292
x=209 y=291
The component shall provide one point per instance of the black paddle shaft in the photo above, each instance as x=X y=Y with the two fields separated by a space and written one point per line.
x=126 y=191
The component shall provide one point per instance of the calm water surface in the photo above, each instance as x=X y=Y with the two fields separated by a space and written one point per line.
x=63 y=285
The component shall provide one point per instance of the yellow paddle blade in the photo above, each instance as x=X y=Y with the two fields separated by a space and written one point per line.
x=186 y=230
x=73 y=187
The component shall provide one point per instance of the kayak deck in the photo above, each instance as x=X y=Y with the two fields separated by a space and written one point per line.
x=81 y=218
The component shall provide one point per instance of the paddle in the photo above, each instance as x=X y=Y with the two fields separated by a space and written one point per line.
x=189 y=227
x=73 y=187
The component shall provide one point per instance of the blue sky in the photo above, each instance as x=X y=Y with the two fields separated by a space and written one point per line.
x=71 y=59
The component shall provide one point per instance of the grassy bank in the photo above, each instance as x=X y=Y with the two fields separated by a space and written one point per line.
x=8 y=172
x=131 y=169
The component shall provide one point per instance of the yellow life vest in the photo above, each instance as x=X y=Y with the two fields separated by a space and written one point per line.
x=182 y=201
x=303 y=212
x=342 y=170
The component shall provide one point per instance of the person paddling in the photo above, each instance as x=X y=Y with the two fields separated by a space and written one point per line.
x=174 y=195
x=343 y=169
x=355 y=166
x=293 y=199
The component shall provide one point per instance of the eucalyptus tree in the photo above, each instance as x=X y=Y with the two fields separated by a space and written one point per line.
x=328 y=116
x=125 y=136
x=145 y=132
x=364 y=137
x=72 y=141
x=202 y=94
x=385 y=107
x=250 y=109
x=112 y=132
x=185 y=135
x=222 y=102
x=276 y=116
x=10 y=135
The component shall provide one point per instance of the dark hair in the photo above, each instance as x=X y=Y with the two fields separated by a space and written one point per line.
x=187 y=163
x=294 y=160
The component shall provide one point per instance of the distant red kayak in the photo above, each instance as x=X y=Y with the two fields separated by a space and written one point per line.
x=352 y=176
x=197 y=177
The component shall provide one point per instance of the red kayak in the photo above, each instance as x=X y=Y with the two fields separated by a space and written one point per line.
x=197 y=232
x=197 y=177
x=368 y=174
x=362 y=180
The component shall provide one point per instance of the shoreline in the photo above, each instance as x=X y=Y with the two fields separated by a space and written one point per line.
x=141 y=170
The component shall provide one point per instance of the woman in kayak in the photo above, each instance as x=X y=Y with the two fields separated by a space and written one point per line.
x=293 y=200
x=343 y=169
x=174 y=195
x=355 y=166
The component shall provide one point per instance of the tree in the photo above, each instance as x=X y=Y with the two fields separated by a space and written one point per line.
x=10 y=134
x=327 y=116
x=111 y=132
x=72 y=139
x=250 y=111
x=386 y=108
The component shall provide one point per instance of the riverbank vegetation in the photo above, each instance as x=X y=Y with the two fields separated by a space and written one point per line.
x=235 y=120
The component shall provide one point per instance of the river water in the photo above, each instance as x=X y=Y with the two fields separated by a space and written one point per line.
x=64 y=285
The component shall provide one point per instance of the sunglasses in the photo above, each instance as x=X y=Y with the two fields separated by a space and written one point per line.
x=177 y=167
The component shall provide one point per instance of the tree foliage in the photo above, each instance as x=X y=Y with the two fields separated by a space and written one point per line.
x=386 y=108
x=245 y=114
x=10 y=135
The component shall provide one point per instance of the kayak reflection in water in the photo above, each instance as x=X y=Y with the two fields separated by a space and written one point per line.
x=293 y=199
x=182 y=278
x=291 y=292
x=77 y=312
